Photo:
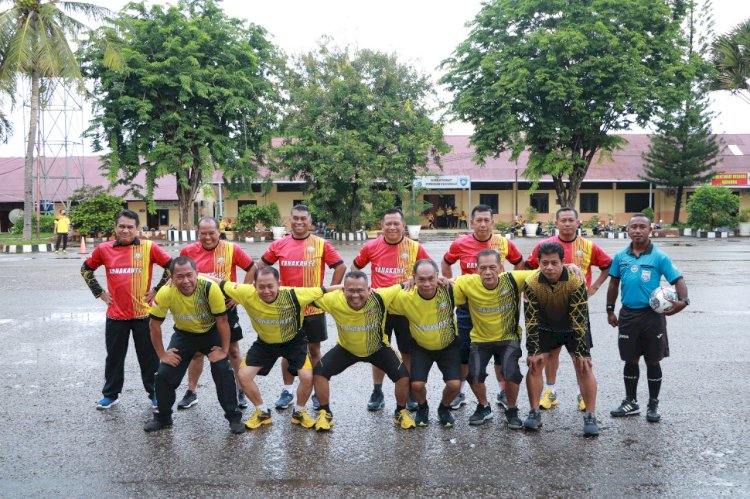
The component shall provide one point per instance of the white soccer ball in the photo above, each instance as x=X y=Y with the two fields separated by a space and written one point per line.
x=660 y=297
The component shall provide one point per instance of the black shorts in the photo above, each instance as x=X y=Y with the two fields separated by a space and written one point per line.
x=642 y=332
x=399 y=324
x=235 y=331
x=338 y=359
x=262 y=354
x=544 y=341
x=508 y=352
x=448 y=361
x=314 y=327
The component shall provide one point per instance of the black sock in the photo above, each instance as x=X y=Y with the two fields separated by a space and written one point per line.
x=377 y=387
x=630 y=373
x=399 y=408
x=423 y=406
x=327 y=408
x=653 y=375
x=443 y=407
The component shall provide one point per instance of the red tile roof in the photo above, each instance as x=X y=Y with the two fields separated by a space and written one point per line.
x=626 y=165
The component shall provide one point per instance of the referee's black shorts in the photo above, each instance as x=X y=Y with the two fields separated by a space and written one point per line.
x=642 y=332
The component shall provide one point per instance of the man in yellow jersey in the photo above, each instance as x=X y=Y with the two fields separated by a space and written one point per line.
x=391 y=258
x=494 y=300
x=62 y=227
x=360 y=315
x=464 y=250
x=302 y=257
x=429 y=308
x=200 y=325
x=557 y=314
x=276 y=315
x=220 y=259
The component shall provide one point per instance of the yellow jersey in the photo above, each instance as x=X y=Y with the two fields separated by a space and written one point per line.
x=194 y=313
x=431 y=322
x=495 y=313
x=278 y=321
x=62 y=225
x=360 y=332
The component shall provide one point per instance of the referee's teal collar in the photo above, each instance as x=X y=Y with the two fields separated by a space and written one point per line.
x=647 y=251
x=136 y=241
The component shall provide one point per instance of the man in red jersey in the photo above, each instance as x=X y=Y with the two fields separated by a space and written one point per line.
x=219 y=259
x=128 y=263
x=585 y=254
x=465 y=250
x=392 y=257
x=302 y=258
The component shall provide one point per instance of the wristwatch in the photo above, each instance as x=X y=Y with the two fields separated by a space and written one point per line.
x=685 y=300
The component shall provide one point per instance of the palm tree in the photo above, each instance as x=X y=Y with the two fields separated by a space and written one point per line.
x=732 y=59
x=34 y=43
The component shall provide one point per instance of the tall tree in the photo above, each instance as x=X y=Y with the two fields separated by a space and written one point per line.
x=683 y=151
x=198 y=91
x=731 y=57
x=35 y=37
x=358 y=123
x=556 y=78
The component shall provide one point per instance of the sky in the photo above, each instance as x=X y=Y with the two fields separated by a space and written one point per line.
x=421 y=32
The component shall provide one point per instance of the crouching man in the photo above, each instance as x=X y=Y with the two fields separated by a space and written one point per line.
x=200 y=325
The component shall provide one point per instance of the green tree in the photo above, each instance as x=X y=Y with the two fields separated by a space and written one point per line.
x=198 y=91
x=731 y=56
x=93 y=210
x=683 y=151
x=357 y=123
x=712 y=207
x=34 y=44
x=557 y=77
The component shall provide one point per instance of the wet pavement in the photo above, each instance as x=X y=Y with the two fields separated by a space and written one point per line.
x=53 y=443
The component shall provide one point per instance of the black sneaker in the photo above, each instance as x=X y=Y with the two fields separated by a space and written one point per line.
x=188 y=401
x=423 y=416
x=502 y=400
x=627 y=408
x=511 y=417
x=652 y=413
x=377 y=401
x=411 y=404
x=445 y=417
x=534 y=420
x=481 y=414
x=157 y=424
x=590 y=425
x=237 y=427
x=241 y=400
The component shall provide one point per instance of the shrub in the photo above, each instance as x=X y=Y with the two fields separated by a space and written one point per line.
x=95 y=210
x=711 y=207
x=252 y=215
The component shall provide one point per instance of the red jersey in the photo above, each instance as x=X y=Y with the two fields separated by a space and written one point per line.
x=302 y=262
x=466 y=248
x=579 y=251
x=391 y=263
x=129 y=269
x=220 y=262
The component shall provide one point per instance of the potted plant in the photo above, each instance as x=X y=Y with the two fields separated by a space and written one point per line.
x=743 y=224
x=274 y=221
x=414 y=213
x=531 y=224
x=504 y=229
x=249 y=218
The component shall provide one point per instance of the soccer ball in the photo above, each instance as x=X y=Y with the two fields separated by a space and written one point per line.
x=660 y=297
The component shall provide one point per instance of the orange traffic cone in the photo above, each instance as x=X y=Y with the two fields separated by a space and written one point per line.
x=83 y=246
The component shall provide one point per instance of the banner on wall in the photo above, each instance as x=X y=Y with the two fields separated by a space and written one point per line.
x=730 y=179
x=443 y=182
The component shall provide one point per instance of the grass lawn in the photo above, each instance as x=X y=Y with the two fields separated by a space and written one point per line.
x=6 y=238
